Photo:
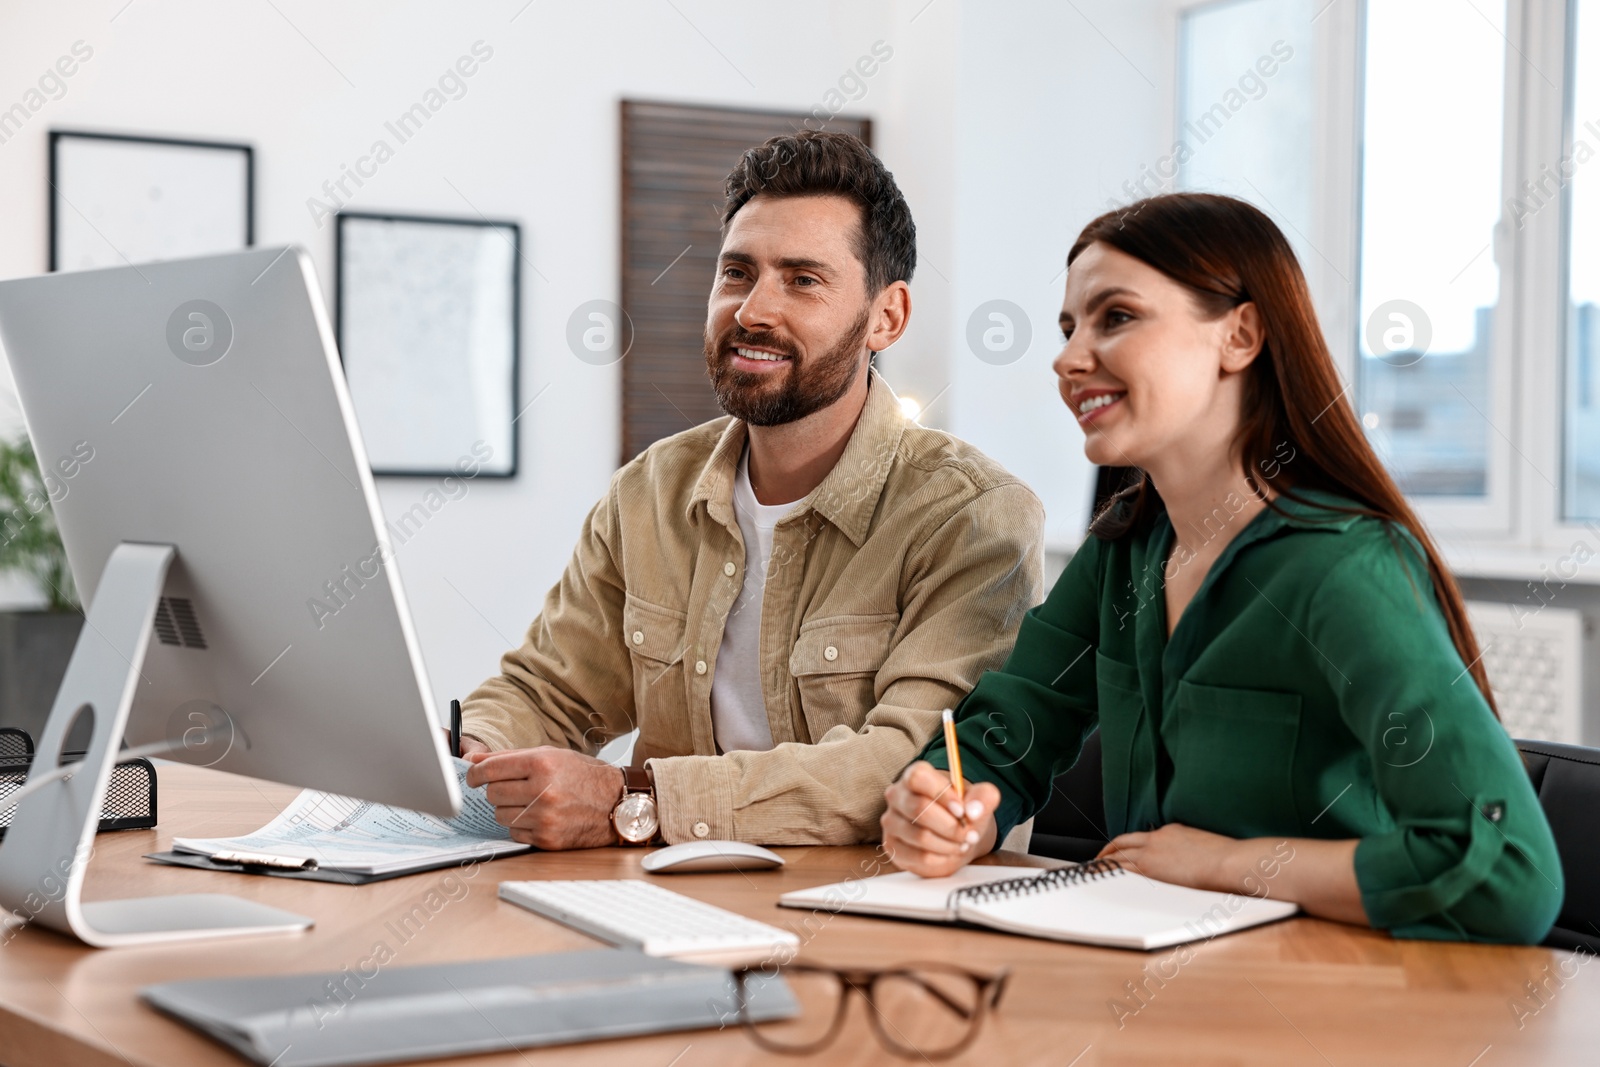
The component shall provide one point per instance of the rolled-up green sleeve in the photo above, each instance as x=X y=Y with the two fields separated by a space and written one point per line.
x=1025 y=723
x=1470 y=855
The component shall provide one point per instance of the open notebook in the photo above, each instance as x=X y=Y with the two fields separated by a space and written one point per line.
x=1097 y=903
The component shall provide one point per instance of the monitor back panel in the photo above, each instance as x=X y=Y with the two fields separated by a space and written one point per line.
x=200 y=403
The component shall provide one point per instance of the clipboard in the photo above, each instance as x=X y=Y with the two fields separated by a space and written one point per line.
x=309 y=874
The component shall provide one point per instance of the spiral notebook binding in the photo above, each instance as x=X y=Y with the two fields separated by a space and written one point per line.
x=1050 y=880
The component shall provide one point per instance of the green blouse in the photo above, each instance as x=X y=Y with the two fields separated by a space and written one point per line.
x=1310 y=689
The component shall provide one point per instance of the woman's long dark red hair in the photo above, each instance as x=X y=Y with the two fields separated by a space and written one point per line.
x=1227 y=253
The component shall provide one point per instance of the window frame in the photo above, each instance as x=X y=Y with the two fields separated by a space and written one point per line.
x=1517 y=529
x=1491 y=515
x=1543 y=541
x=1548 y=276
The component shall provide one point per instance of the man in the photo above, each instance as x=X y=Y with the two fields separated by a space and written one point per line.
x=782 y=601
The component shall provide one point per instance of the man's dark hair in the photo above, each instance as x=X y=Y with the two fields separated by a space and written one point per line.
x=824 y=163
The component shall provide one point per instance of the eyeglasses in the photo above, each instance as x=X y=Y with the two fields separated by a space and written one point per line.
x=918 y=1010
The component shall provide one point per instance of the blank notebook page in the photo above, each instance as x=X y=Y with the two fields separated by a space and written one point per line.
x=902 y=895
x=1119 y=909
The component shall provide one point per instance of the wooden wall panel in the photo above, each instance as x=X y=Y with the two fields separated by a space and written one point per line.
x=674 y=161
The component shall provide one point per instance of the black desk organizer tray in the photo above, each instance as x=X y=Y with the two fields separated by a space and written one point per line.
x=130 y=802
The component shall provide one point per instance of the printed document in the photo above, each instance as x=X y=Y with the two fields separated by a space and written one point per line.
x=330 y=831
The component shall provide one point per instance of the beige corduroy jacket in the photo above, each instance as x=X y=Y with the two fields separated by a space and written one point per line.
x=891 y=588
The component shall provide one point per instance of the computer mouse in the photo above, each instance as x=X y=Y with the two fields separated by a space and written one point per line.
x=710 y=856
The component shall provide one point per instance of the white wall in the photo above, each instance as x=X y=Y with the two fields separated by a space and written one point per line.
x=1008 y=125
x=1058 y=105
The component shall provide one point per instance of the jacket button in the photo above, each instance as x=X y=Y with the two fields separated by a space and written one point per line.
x=701 y=830
x=830 y=653
x=1494 y=812
x=699 y=666
x=728 y=568
x=638 y=637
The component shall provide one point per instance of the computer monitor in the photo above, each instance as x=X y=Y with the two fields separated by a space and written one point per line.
x=202 y=457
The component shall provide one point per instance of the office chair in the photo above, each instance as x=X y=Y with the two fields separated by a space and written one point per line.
x=1567 y=779
x=1072 y=823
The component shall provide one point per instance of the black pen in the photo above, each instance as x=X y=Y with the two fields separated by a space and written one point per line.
x=455 y=728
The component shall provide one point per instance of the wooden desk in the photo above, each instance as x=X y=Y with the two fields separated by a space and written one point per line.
x=1304 y=991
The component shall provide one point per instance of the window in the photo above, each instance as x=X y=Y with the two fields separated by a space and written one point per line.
x=1432 y=130
x=1581 y=179
x=1245 y=123
x=1436 y=165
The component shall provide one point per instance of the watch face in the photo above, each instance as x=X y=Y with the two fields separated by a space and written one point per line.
x=635 y=817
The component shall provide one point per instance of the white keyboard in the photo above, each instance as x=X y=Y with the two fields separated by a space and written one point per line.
x=656 y=921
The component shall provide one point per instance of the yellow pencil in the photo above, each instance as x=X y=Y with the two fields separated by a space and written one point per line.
x=954 y=752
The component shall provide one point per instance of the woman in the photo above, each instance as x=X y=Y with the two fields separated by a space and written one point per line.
x=1289 y=696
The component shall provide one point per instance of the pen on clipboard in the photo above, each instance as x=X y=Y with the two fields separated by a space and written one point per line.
x=455 y=728
x=263 y=860
x=954 y=752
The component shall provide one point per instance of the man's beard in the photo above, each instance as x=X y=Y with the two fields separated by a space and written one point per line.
x=808 y=386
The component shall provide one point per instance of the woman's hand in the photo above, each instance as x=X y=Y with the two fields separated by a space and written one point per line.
x=1320 y=876
x=925 y=830
x=1178 y=854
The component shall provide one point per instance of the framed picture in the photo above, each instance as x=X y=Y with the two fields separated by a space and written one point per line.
x=427 y=322
x=117 y=200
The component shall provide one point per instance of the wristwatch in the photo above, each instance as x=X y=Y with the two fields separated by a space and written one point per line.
x=635 y=814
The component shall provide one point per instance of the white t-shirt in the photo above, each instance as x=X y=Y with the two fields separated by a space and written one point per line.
x=738 y=710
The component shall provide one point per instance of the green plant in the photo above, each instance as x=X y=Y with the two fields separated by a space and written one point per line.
x=29 y=540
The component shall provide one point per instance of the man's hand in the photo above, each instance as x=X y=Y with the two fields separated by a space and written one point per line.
x=550 y=797
x=925 y=830
x=469 y=745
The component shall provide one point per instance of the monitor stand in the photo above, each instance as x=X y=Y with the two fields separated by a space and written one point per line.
x=51 y=836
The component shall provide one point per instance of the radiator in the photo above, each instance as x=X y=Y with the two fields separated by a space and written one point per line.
x=1534 y=659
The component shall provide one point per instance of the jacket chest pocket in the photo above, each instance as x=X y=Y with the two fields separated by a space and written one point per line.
x=1233 y=760
x=835 y=665
x=655 y=639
